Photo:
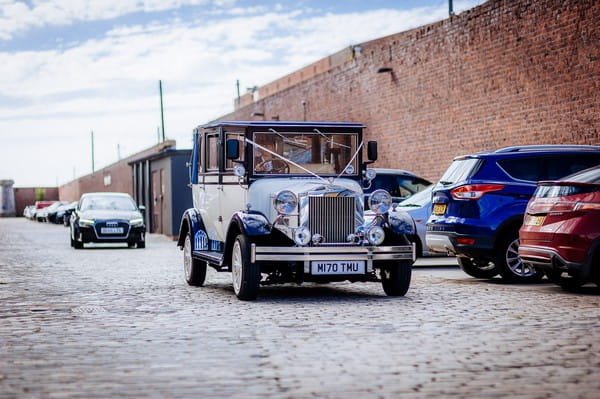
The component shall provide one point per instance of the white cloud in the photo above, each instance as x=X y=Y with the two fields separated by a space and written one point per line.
x=50 y=100
x=17 y=16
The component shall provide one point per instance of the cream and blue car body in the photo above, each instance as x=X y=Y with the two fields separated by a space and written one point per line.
x=278 y=202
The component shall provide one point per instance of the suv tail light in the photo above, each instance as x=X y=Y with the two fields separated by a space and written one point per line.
x=474 y=191
x=560 y=207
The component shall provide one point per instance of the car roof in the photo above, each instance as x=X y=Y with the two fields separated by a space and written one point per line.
x=283 y=124
x=527 y=150
x=106 y=194
x=389 y=171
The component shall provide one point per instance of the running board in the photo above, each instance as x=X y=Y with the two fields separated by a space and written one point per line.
x=213 y=257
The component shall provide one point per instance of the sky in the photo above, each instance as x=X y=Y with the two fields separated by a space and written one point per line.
x=70 y=67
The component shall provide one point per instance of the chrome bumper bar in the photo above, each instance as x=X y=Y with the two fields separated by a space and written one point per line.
x=347 y=253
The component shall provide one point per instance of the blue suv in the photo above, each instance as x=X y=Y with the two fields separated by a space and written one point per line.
x=479 y=203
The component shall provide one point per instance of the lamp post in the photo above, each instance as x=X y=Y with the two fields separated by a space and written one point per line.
x=162 y=118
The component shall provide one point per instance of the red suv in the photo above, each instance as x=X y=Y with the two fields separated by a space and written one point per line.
x=561 y=230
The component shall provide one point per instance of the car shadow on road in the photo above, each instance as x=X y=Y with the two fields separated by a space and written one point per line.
x=309 y=293
x=588 y=289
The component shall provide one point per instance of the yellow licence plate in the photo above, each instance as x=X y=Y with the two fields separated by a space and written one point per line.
x=439 y=209
x=535 y=220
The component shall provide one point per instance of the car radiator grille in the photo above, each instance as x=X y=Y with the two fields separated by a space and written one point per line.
x=332 y=217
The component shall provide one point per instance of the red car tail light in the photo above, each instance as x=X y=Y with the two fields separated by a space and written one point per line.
x=587 y=206
x=465 y=240
x=474 y=191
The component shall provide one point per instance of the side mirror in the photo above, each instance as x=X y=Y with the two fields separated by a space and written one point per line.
x=232 y=149
x=372 y=151
x=142 y=208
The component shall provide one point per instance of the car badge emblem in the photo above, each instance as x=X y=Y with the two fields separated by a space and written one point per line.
x=112 y=224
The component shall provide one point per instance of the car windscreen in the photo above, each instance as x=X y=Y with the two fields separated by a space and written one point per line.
x=299 y=153
x=591 y=175
x=419 y=199
x=107 y=203
x=459 y=171
x=402 y=186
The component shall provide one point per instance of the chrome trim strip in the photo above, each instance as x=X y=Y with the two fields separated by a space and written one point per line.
x=344 y=250
x=307 y=254
x=309 y=257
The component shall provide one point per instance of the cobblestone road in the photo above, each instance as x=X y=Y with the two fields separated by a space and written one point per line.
x=118 y=322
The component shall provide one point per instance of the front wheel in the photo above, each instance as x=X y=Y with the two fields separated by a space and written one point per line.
x=195 y=270
x=477 y=268
x=510 y=266
x=244 y=273
x=395 y=278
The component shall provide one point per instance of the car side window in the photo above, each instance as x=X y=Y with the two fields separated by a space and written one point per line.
x=211 y=152
x=200 y=153
x=239 y=136
x=531 y=169
x=559 y=166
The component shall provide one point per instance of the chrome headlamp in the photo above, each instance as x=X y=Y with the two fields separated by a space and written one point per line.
x=285 y=202
x=380 y=201
x=302 y=236
x=375 y=235
x=370 y=174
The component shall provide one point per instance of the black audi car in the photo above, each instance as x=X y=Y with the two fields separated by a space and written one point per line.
x=107 y=218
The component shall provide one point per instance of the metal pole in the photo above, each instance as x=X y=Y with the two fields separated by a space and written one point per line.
x=162 y=117
x=158 y=134
x=92 y=151
x=119 y=151
x=237 y=83
x=450 y=10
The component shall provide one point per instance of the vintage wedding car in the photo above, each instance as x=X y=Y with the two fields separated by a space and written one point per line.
x=280 y=202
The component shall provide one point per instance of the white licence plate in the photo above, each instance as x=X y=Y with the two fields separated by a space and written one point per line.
x=337 y=267
x=111 y=230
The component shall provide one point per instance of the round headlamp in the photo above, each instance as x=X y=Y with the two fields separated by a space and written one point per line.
x=370 y=174
x=302 y=236
x=375 y=235
x=285 y=202
x=380 y=201
x=239 y=170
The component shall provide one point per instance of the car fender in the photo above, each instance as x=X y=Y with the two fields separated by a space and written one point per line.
x=512 y=222
x=250 y=223
x=401 y=223
x=192 y=224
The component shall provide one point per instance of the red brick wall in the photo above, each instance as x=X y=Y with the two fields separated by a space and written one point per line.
x=504 y=73
x=26 y=196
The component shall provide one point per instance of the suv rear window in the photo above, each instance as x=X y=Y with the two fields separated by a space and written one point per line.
x=460 y=170
x=551 y=167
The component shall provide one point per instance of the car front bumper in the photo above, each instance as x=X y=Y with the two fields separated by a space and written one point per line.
x=133 y=234
x=370 y=254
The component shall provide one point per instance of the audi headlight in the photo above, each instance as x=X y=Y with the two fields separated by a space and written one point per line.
x=380 y=201
x=136 y=221
x=285 y=202
x=86 y=222
x=375 y=235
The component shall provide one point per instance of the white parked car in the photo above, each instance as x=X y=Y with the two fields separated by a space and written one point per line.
x=278 y=202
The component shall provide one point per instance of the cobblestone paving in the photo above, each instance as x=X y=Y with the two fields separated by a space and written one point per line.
x=118 y=322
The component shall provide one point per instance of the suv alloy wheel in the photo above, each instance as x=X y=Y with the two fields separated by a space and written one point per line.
x=510 y=266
